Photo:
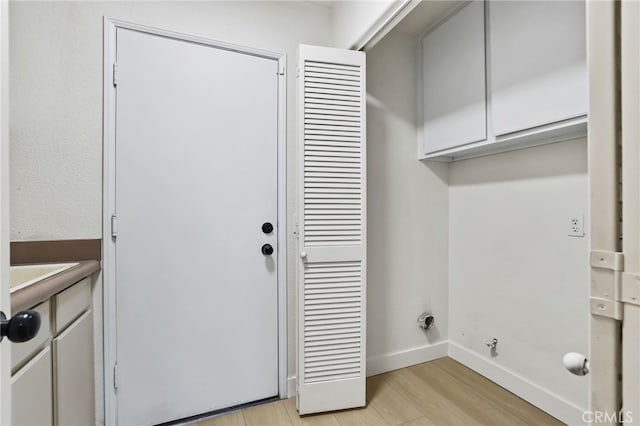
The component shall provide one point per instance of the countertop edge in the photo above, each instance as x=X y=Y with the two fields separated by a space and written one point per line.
x=39 y=292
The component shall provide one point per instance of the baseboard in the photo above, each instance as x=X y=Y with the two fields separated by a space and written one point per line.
x=534 y=394
x=291 y=387
x=389 y=362
x=396 y=360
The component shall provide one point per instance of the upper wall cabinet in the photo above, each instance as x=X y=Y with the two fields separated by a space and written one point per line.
x=538 y=63
x=503 y=75
x=454 y=81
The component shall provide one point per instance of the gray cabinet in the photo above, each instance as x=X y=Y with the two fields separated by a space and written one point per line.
x=521 y=85
x=538 y=63
x=454 y=85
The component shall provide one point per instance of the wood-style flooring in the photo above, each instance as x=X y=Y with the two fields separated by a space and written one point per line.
x=440 y=392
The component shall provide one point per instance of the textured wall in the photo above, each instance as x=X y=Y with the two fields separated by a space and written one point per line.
x=407 y=210
x=56 y=94
x=56 y=105
x=514 y=273
x=354 y=19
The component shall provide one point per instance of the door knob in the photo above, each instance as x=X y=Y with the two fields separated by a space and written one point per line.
x=267 y=250
x=267 y=227
x=22 y=327
x=303 y=255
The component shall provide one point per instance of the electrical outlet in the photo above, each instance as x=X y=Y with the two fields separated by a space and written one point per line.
x=576 y=226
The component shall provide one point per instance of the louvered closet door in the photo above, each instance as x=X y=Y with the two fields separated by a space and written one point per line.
x=331 y=304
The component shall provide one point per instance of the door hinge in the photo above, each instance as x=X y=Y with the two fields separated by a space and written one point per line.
x=114 y=226
x=115 y=74
x=115 y=376
x=607 y=269
x=630 y=288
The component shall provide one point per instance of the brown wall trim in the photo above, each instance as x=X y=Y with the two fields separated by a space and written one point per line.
x=55 y=251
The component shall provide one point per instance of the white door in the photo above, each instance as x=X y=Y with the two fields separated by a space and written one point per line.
x=196 y=179
x=332 y=207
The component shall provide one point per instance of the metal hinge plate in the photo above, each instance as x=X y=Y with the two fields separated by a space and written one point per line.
x=115 y=376
x=606 y=279
x=630 y=288
x=115 y=74
x=114 y=226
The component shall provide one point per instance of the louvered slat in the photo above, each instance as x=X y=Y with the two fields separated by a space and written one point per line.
x=331 y=285
x=331 y=308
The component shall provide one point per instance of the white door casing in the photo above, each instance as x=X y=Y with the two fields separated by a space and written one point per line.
x=630 y=293
x=332 y=230
x=604 y=356
x=5 y=304
x=196 y=172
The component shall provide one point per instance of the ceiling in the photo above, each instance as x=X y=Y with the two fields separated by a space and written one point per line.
x=427 y=15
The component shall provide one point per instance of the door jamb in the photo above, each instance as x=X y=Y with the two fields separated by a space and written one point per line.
x=5 y=302
x=108 y=243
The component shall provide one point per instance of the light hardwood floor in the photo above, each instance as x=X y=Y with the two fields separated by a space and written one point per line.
x=440 y=392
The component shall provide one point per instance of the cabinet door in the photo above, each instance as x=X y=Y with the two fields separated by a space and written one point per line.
x=71 y=303
x=31 y=389
x=538 y=63
x=454 y=83
x=22 y=352
x=333 y=217
x=73 y=374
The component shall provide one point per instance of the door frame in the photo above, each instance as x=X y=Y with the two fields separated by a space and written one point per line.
x=108 y=243
x=5 y=302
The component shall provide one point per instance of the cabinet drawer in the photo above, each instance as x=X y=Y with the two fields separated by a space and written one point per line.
x=31 y=389
x=21 y=352
x=71 y=303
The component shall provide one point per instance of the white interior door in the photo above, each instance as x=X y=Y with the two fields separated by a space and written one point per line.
x=332 y=240
x=196 y=178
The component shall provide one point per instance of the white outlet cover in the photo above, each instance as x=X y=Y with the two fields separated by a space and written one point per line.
x=575 y=226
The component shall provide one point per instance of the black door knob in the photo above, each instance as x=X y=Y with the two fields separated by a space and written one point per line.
x=22 y=327
x=267 y=227
x=267 y=250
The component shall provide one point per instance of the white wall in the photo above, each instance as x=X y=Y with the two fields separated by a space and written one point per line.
x=354 y=20
x=56 y=104
x=5 y=302
x=56 y=107
x=407 y=216
x=514 y=272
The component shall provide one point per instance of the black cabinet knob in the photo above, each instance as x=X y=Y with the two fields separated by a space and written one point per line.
x=267 y=227
x=267 y=250
x=23 y=327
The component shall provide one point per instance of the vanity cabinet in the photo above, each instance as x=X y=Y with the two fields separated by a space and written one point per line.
x=503 y=75
x=53 y=374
